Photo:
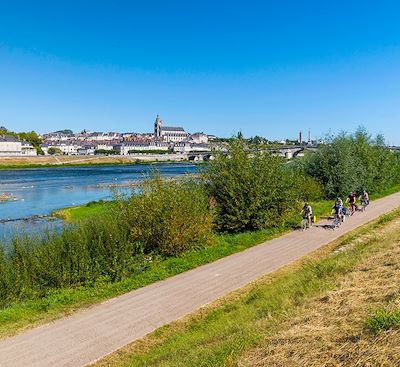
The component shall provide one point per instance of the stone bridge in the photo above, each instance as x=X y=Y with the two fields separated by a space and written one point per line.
x=289 y=152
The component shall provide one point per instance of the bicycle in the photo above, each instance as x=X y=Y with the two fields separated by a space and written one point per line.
x=337 y=221
x=352 y=208
x=364 y=204
x=305 y=224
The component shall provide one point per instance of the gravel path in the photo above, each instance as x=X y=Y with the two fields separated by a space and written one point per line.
x=90 y=334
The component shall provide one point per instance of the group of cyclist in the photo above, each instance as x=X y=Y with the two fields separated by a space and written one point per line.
x=339 y=210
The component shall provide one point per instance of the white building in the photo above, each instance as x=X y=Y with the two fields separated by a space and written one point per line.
x=199 y=138
x=99 y=136
x=187 y=147
x=11 y=146
x=87 y=149
x=66 y=148
x=28 y=149
x=182 y=147
x=129 y=147
x=57 y=137
x=105 y=146
x=168 y=133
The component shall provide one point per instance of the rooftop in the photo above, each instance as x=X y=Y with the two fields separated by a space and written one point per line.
x=172 y=128
x=8 y=138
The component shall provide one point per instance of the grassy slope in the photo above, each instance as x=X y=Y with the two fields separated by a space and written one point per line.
x=219 y=334
x=333 y=325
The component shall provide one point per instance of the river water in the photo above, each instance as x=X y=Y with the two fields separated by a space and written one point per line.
x=37 y=192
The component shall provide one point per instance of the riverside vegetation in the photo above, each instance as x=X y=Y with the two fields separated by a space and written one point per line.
x=172 y=226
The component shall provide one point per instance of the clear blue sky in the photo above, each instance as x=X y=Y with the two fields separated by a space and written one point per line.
x=264 y=68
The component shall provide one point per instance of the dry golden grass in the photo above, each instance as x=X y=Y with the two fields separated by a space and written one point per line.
x=330 y=330
x=60 y=160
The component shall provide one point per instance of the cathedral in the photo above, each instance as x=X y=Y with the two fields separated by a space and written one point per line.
x=168 y=133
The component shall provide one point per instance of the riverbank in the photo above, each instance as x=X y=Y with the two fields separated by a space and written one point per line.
x=235 y=323
x=76 y=161
x=81 y=212
x=62 y=302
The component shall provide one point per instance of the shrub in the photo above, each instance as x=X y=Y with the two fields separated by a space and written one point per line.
x=168 y=216
x=254 y=190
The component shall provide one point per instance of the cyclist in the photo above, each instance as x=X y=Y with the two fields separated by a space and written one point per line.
x=351 y=200
x=364 y=198
x=339 y=201
x=306 y=213
x=337 y=210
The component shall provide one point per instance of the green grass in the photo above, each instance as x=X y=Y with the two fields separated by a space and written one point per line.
x=216 y=337
x=384 y=319
x=389 y=191
x=59 y=302
x=73 y=214
x=78 y=213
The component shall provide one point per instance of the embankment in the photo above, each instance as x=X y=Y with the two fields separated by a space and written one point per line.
x=56 y=161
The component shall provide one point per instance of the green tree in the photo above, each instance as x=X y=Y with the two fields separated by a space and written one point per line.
x=353 y=163
x=53 y=151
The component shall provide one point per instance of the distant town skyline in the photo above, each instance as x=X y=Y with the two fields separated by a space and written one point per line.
x=262 y=68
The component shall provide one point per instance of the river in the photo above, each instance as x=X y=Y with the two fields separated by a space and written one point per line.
x=37 y=192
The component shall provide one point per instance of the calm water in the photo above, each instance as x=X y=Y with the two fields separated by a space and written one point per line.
x=40 y=191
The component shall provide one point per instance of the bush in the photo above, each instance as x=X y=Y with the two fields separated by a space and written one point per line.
x=254 y=190
x=353 y=163
x=169 y=217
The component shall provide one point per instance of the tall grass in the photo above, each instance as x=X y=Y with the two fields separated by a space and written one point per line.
x=168 y=218
x=164 y=218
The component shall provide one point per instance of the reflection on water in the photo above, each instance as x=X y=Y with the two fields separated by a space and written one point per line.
x=32 y=227
x=40 y=191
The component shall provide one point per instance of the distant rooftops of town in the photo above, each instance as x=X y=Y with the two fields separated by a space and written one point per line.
x=8 y=138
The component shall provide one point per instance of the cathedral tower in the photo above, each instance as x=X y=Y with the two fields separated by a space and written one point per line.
x=157 y=127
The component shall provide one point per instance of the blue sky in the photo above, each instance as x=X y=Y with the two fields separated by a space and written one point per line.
x=264 y=68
